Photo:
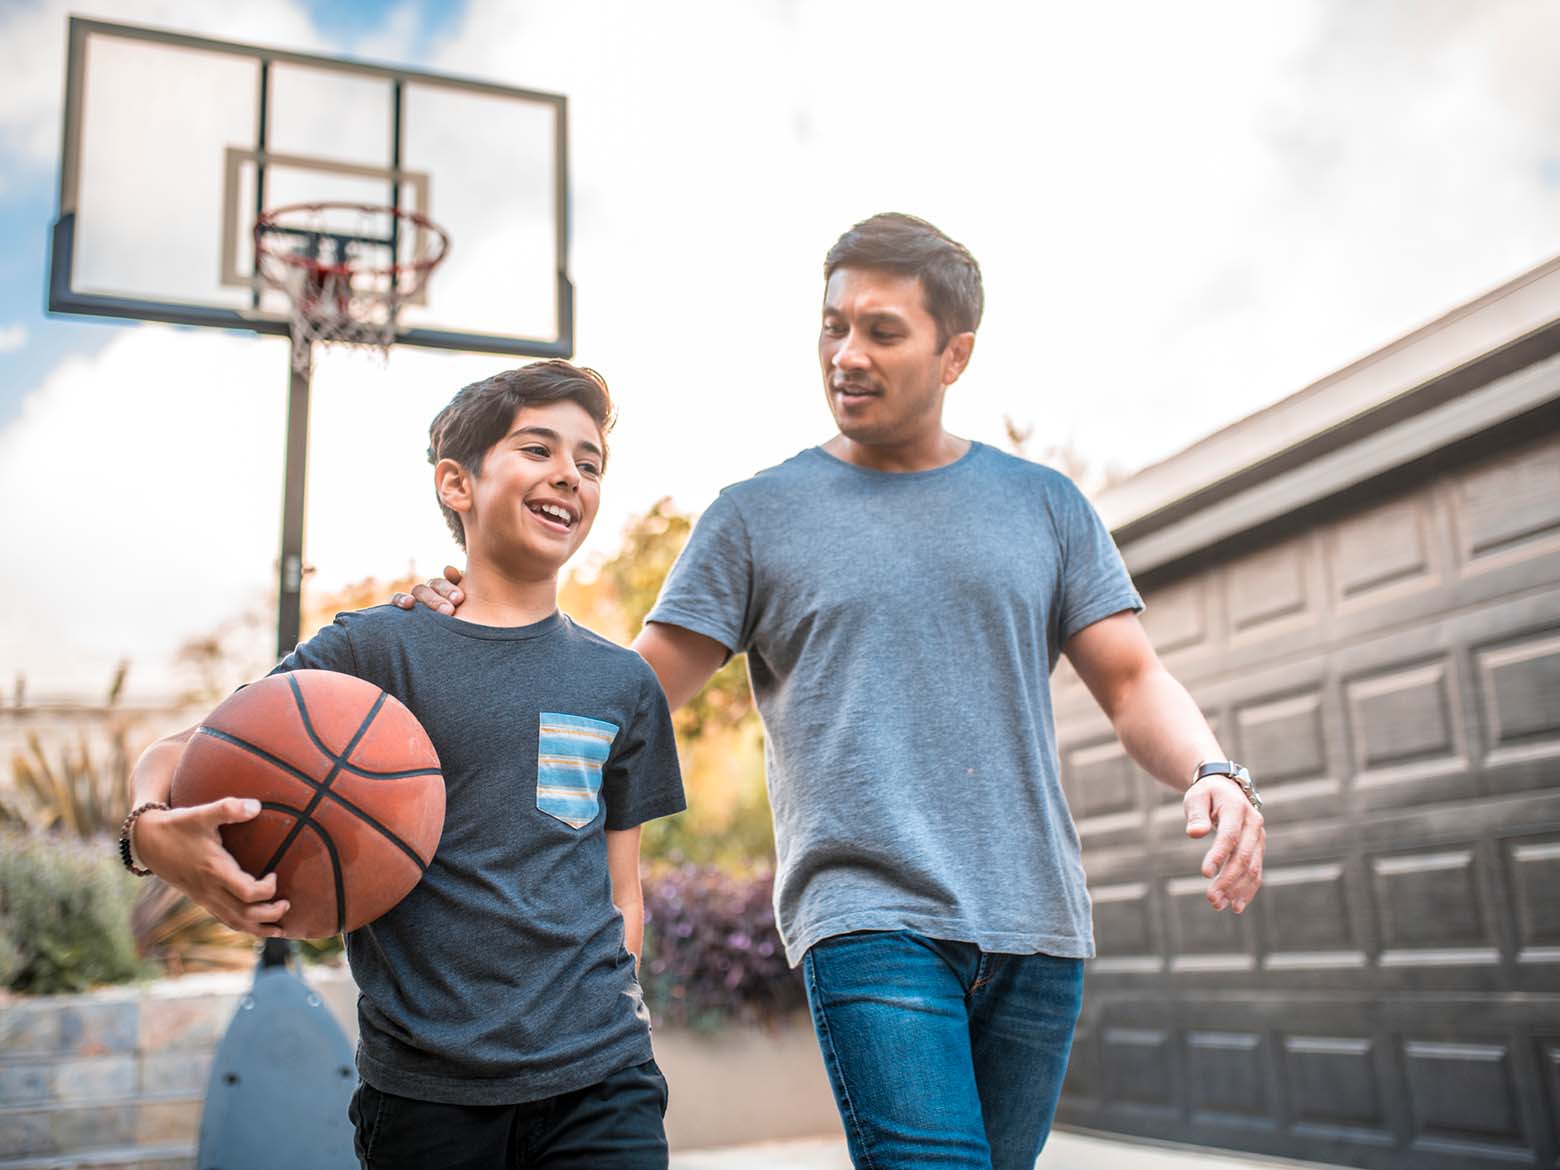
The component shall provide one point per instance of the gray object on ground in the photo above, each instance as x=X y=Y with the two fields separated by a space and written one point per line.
x=280 y=1081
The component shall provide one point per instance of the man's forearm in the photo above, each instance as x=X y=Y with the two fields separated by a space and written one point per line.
x=1162 y=728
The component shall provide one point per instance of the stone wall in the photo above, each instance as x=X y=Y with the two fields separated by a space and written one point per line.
x=114 y=1079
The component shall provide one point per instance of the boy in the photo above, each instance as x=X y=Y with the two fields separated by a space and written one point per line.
x=501 y=1021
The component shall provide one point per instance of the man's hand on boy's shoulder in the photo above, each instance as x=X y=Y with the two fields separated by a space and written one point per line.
x=441 y=594
x=183 y=846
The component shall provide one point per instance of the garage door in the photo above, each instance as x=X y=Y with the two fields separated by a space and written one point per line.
x=1391 y=673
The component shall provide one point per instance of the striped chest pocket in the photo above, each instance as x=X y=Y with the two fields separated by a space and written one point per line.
x=569 y=757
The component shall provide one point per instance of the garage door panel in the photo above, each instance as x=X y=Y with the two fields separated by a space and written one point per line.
x=1229 y=1079
x=1335 y=1086
x=1408 y=734
x=1508 y=509
x=1533 y=877
x=1202 y=939
x=1137 y=1070
x=1384 y=555
x=1305 y=918
x=1430 y=908
x=1179 y=620
x=1519 y=695
x=1546 y=1050
x=1463 y=1099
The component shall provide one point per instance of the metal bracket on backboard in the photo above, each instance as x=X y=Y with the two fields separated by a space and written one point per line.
x=236 y=226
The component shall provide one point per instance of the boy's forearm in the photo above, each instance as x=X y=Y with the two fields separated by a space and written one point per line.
x=151 y=780
x=627 y=891
x=633 y=911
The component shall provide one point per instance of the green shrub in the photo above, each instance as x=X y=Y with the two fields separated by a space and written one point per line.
x=64 y=913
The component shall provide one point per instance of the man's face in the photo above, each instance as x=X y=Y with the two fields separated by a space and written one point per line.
x=538 y=489
x=882 y=370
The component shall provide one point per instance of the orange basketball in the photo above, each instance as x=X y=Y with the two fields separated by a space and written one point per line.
x=351 y=795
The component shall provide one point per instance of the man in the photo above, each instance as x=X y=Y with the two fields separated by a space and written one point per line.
x=902 y=595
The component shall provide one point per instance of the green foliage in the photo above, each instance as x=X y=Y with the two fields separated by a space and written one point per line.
x=78 y=793
x=64 y=913
x=651 y=543
x=745 y=842
x=75 y=792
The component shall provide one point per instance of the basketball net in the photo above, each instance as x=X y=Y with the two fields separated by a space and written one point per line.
x=337 y=265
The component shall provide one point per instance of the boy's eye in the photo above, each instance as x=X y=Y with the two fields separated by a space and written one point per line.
x=833 y=328
x=588 y=468
x=535 y=449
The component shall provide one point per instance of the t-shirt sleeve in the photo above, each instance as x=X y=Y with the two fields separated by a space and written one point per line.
x=1095 y=583
x=710 y=588
x=329 y=649
x=641 y=779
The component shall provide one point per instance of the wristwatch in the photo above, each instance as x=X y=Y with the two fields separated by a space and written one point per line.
x=1236 y=773
x=126 y=854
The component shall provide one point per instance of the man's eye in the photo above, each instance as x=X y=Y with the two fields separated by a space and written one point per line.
x=834 y=328
x=884 y=335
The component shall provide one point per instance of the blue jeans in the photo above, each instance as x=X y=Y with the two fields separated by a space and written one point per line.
x=942 y=1056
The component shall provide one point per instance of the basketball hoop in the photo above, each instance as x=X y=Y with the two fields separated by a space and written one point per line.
x=346 y=269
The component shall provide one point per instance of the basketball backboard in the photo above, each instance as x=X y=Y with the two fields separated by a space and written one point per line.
x=174 y=145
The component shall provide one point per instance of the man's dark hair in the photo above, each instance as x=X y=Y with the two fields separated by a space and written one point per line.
x=481 y=414
x=949 y=275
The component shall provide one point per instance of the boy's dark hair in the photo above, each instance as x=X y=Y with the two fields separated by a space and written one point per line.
x=481 y=414
x=949 y=275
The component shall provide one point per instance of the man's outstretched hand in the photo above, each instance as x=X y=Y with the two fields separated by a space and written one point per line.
x=442 y=594
x=1235 y=860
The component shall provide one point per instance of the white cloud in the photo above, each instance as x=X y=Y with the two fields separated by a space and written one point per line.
x=12 y=337
x=33 y=50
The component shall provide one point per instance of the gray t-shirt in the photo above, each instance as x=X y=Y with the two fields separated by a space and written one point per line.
x=502 y=977
x=901 y=629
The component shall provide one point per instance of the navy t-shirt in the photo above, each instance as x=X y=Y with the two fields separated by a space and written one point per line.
x=502 y=977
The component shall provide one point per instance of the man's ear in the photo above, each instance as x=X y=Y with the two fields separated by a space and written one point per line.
x=453 y=483
x=956 y=356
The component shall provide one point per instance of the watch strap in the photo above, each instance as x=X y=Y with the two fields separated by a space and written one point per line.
x=1235 y=772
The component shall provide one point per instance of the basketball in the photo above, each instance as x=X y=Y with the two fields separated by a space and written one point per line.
x=351 y=794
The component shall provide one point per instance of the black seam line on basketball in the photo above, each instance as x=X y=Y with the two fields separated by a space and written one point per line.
x=314 y=784
x=330 y=777
x=330 y=847
x=341 y=761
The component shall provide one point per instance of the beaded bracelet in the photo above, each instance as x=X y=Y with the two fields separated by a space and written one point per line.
x=125 y=854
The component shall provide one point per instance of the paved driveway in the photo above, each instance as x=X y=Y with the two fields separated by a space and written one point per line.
x=1065 y=1151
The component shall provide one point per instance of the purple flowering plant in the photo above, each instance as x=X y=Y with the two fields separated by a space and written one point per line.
x=712 y=953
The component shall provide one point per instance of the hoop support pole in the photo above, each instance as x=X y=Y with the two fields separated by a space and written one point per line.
x=289 y=593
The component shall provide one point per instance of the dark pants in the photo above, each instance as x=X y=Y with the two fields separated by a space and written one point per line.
x=942 y=1056
x=615 y=1124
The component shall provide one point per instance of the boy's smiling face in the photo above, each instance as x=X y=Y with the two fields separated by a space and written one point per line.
x=533 y=500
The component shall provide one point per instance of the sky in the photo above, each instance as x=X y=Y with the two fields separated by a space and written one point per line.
x=1183 y=213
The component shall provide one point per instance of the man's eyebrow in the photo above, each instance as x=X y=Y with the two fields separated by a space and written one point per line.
x=553 y=436
x=871 y=316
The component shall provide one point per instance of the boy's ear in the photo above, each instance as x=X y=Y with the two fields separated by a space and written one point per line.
x=453 y=483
